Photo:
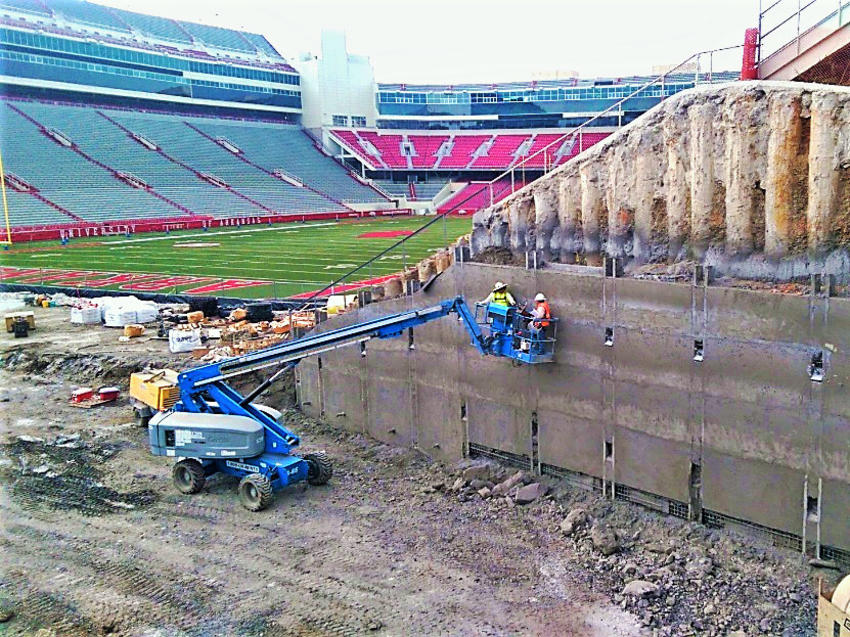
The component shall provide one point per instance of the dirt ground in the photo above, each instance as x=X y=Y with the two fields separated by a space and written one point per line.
x=95 y=540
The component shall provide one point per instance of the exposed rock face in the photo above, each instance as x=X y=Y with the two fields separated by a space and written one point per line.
x=752 y=178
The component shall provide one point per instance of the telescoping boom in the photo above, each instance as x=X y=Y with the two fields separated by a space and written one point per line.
x=213 y=428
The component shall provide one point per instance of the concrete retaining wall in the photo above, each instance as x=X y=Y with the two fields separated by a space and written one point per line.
x=744 y=434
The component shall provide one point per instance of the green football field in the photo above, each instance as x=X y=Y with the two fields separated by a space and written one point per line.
x=288 y=259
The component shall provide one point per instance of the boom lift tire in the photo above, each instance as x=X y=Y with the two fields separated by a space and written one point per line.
x=255 y=492
x=320 y=468
x=188 y=476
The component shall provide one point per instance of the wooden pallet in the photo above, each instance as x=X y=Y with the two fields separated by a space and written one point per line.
x=88 y=403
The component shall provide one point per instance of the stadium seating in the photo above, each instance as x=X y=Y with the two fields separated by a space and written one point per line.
x=87 y=13
x=205 y=156
x=101 y=138
x=352 y=142
x=476 y=196
x=462 y=149
x=389 y=146
x=423 y=191
x=261 y=44
x=501 y=153
x=395 y=188
x=31 y=6
x=550 y=157
x=127 y=28
x=26 y=210
x=426 y=147
x=216 y=36
x=69 y=180
x=89 y=189
x=427 y=191
x=505 y=149
x=275 y=146
x=157 y=27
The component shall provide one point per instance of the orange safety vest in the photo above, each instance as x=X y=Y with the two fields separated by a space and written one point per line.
x=547 y=314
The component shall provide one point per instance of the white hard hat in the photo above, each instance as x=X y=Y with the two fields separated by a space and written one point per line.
x=540 y=297
x=499 y=285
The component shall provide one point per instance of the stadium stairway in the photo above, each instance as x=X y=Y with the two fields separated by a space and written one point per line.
x=70 y=178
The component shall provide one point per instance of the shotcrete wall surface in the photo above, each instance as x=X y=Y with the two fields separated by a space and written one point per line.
x=752 y=178
x=745 y=434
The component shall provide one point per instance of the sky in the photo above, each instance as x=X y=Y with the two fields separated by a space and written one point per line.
x=454 y=41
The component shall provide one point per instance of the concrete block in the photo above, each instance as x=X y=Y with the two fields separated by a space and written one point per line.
x=836 y=385
x=835 y=521
x=499 y=426
x=835 y=449
x=570 y=390
x=569 y=442
x=772 y=373
x=389 y=411
x=650 y=358
x=440 y=429
x=748 y=314
x=653 y=410
x=343 y=400
x=308 y=387
x=652 y=464
x=765 y=493
x=646 y=305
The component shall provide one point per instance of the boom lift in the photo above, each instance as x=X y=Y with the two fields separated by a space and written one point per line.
x=213 y=428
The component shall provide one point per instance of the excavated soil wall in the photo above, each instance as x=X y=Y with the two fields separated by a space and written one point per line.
x=751 y=178
x=744 y=437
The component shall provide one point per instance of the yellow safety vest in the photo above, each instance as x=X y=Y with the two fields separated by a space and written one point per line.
x=500 y=297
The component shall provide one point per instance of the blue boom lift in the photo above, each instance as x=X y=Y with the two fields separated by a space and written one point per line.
x=213 y=428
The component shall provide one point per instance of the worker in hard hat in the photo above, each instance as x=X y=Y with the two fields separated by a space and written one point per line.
x=540 y=316
x=500 y=296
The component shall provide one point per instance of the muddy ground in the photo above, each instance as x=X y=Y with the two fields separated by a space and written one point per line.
x=94 y=540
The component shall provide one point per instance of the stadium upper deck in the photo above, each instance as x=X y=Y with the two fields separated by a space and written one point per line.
x=534 y=104
x=72 y=45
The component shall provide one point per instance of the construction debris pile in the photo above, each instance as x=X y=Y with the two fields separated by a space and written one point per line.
x=212 y=338
x=679 y=577
x=194 y=327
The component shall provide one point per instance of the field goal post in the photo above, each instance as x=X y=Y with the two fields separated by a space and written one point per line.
x=6 y=236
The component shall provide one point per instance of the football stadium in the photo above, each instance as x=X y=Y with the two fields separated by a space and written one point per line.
x=119 y=126
x=231 y=235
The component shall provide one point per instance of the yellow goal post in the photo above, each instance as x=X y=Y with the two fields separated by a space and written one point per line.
x=6 y=238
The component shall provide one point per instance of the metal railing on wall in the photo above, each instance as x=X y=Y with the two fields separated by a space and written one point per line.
x=697 y=69
x=783 y=23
